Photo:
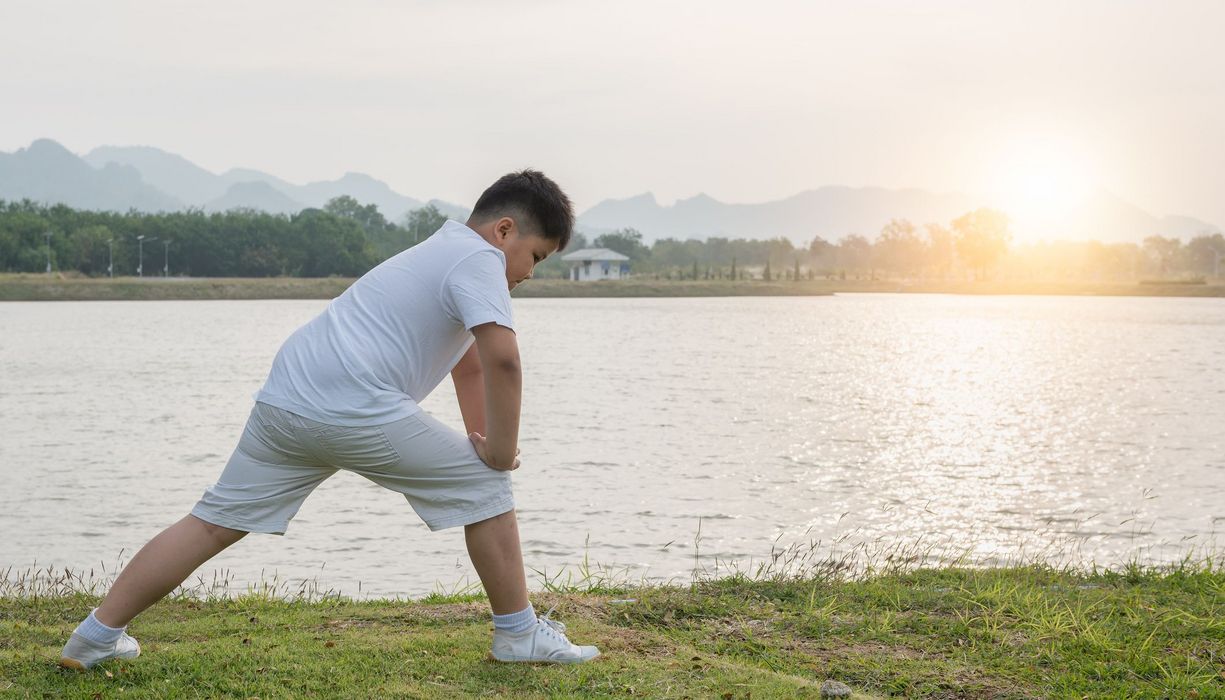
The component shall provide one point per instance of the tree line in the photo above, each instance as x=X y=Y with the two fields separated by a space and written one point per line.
x=347 y=238
x=977 y=245
x=343 y=238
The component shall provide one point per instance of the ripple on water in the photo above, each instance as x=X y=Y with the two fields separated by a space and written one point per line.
x=986 y=421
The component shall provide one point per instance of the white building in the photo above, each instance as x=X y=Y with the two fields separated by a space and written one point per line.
x=597 y=264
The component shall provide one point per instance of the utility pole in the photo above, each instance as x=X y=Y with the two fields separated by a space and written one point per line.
x=48 y=235
x=140 y=255
x=110 y=258
x=166 y=258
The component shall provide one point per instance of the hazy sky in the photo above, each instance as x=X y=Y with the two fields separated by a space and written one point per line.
x=745 y=101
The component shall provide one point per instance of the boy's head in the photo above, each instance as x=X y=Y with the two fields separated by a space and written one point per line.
x=527 y=216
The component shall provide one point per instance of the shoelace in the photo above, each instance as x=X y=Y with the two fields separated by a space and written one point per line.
x=555 y=627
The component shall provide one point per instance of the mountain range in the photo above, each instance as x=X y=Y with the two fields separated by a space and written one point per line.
x=120 y=178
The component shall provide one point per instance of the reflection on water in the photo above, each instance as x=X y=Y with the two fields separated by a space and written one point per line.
x=997 y=425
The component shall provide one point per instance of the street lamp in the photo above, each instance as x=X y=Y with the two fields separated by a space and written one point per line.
x=166 y=258
x=48 y=235
x=110 y=258
x=140 y=257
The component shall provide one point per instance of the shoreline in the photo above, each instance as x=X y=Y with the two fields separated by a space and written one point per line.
x=38 y=287
x=1023 y=631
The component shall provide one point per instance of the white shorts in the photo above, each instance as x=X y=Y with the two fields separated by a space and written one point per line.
x=282 y=457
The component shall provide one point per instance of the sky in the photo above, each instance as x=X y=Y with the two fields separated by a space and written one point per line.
x=742 y=101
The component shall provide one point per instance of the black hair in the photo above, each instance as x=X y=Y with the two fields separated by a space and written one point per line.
x=534 y=195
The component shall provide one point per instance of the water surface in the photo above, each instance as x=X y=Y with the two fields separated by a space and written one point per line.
x=998 y=425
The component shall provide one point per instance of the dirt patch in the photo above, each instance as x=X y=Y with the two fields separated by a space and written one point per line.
x=623 y=640
x=410 y=615
x=961 y=684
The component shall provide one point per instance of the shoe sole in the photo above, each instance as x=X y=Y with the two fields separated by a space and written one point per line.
x=73 y=664
x=542 y=662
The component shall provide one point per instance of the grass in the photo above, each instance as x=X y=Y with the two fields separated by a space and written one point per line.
x=37 y=287
x=30 y=287
x=885 y=629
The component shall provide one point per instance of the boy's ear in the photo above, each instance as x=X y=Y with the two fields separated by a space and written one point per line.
x=503 y=228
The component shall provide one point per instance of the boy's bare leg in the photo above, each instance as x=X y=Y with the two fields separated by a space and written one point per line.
x=493 y=546
x=165 y=562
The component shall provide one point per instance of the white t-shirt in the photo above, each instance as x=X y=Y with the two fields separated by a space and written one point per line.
x=382 y=346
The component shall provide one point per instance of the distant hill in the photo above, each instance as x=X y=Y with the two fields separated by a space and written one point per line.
x=199 y=187
x=172 y=174
x=1107 y=218
x=830 y=212
x=149 y=179
x=254 y=195
x=833 y=212
x=48 y=172
x=451 y=211
x=364 y=189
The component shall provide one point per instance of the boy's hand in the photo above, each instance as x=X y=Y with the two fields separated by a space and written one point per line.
x=482 y=451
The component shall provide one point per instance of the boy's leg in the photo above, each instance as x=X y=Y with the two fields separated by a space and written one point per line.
x=441 y=475
x=161 y=565
x=156 y=569
x=493 y=546
x=272 y=470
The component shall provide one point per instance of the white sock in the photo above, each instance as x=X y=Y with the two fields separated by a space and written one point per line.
x=515 y=622
x=95 y=631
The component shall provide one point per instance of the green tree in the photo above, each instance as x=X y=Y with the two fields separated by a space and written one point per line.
x=982 y=238
x=423 y=222
x=1206 y=254
x=938 y=254
x=87 y=250
x=330 y=245
x=626 y=241
x=1162 y=252
x=366 y=215
x=855 y=254
x=897 y=247
x=822 y=254
x=24 y=224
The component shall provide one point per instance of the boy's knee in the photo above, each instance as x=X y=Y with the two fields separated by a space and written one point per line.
x=218 y=533
x=500 y=519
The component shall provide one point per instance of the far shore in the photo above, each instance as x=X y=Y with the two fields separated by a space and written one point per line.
x=38 y=287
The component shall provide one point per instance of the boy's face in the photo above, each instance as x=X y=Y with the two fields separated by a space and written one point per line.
x=523 y=250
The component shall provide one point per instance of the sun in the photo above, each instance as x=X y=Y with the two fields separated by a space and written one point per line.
x=1042 y=185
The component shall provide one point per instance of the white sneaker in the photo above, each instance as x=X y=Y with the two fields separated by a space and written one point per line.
x=545 y=642
x=81 y=653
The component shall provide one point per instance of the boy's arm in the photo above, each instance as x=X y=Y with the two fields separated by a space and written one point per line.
x=470 y=390
x=498 y=351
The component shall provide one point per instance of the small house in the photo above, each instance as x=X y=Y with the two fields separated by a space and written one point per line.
x=597 y=264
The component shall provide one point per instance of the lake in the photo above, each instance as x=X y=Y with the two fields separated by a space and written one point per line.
x=998 y=427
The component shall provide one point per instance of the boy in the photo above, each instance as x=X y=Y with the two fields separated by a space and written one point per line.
x=344 y=393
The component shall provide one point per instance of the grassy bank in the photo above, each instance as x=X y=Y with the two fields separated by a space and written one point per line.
x=43 y=288
x=31 y=287
x=1021 y=632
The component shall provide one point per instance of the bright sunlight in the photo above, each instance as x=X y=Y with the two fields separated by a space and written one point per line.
x=1043 y=184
